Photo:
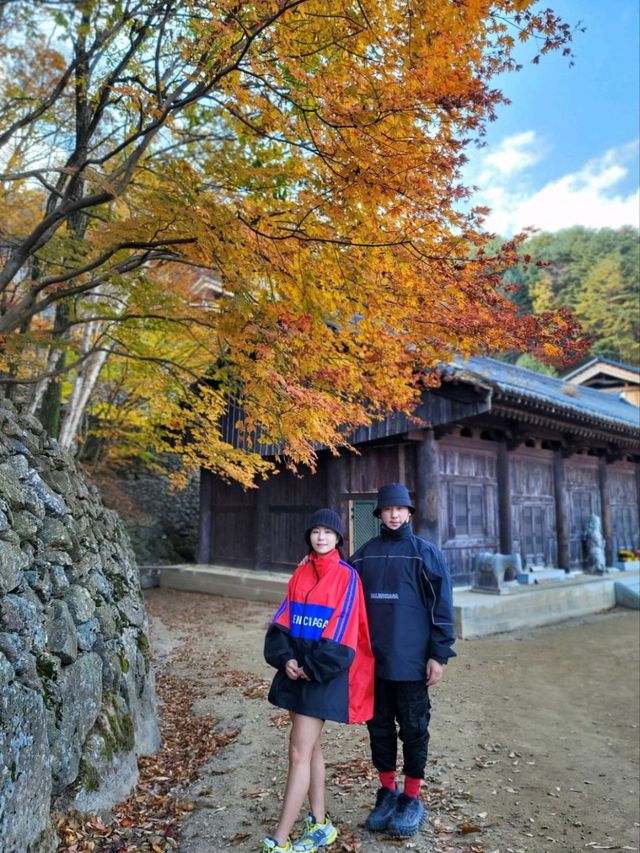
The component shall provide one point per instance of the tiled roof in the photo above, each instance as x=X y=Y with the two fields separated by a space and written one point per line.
x=556 y=393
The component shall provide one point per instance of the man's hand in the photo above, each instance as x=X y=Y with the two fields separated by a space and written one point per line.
x=435 y=671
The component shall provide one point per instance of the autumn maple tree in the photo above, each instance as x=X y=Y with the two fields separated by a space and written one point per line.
x=253 y=200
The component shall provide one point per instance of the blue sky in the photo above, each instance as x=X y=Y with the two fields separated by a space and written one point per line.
x=566 y=150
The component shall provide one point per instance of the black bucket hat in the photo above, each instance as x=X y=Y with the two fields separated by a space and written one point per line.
x=324 y=518
x=393 y=494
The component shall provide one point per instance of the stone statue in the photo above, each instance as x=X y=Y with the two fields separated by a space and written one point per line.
x=594 y=546
x=492 y=571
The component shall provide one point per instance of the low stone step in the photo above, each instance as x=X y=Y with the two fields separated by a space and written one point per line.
x=628 y=592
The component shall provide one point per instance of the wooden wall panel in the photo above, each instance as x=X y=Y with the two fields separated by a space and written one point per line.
x=584 y=500
x=231 y=494
x=286 y=536
x=375 y=467
x=623 y=499
x=467 y=463
x=533 y=507
x=532 y=478
x=287 y=489
x=233 y=535
x=233 y=513
x=458 y=460
x=290 y=501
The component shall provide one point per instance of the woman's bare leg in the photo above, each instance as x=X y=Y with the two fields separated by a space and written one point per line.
x=316 y=785
x=305 y=734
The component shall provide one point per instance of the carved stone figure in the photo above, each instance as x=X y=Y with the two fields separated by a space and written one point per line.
x=491 y=571
x=594 y=547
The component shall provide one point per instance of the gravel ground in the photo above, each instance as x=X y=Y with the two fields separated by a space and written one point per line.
x=534 y=746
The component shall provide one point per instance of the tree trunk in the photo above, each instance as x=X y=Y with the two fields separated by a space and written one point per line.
x=83 y=386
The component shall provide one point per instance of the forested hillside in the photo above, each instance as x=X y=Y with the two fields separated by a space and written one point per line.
x=594 y=273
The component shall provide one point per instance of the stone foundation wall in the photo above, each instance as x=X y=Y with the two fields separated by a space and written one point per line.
x=76 y=691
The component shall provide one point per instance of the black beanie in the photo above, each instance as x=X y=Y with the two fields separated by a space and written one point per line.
x=324 y=518
x=393 y=494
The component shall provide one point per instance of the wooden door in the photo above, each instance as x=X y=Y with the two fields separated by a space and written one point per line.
x=582 y=506
x=534 y=537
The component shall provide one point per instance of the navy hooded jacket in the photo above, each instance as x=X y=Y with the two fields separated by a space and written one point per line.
x=409 y=601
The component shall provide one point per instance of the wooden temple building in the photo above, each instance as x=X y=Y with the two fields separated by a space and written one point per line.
x=511 y=461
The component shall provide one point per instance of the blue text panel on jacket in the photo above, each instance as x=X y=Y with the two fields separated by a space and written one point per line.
x=309 y=620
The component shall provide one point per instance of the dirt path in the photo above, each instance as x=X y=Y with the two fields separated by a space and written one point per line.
x=535 y=739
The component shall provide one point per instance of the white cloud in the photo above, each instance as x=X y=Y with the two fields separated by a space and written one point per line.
x=590 y=196
x=514 y=154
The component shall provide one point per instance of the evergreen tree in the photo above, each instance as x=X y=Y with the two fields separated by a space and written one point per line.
x=608 y=310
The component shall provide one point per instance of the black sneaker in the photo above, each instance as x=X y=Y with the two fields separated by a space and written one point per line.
x=407 y=818
x=383 y=810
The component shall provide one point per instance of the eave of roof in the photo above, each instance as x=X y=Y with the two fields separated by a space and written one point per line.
x=555 y=395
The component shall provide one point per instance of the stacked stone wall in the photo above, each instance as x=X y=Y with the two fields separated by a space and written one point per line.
x=162 y=523
x=76 y=690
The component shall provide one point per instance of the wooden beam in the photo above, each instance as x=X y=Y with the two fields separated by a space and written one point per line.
x=505 y=517
x=562 y=508
x=605 y=509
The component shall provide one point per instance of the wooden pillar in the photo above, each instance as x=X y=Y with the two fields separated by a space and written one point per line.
x=605 y=509
x=505 y=515
x=262 y=528
x=205 y=543
x=426 y=521
x=562 y=509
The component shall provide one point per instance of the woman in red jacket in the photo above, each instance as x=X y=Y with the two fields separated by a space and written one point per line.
x=319 y=643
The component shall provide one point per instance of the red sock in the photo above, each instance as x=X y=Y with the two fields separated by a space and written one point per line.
x=388 y=779
x=411 y=786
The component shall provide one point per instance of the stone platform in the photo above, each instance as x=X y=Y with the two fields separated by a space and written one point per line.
x=476 y=613
x=270 y=587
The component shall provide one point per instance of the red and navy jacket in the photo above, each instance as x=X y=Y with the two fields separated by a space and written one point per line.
x=322 y=623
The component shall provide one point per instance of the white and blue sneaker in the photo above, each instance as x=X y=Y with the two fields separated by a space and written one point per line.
x=270 y=845
x=315 y=835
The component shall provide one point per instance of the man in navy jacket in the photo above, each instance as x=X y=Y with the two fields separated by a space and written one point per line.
x=407 y=590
